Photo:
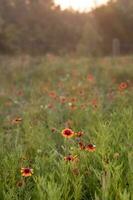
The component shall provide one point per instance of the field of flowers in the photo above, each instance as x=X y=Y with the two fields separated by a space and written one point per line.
x=66 y=128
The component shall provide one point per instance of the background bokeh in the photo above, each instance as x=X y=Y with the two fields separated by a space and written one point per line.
x=40 y=27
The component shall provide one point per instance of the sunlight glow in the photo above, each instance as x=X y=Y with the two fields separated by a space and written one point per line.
x=81 y=5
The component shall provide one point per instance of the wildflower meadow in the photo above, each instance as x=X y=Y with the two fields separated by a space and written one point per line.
x=66 y=128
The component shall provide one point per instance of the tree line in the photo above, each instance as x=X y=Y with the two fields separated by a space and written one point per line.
x=40 y=27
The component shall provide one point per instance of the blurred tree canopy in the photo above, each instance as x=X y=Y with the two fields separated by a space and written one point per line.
x=39 y=26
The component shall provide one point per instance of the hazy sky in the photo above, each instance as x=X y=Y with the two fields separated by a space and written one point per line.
x=80 y=4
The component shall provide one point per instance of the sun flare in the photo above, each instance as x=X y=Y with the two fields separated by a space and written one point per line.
x=81 y=5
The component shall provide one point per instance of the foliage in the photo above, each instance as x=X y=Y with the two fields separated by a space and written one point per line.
x=41 y=27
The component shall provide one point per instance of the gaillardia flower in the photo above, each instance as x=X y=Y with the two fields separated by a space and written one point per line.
x=67 y=133
x=123 y=86
x=53 y=94
x=71 y=158
x=26 y=172
x=16 y=121
x=63 y=99
x=79 y=134
x=91 y=78
x=94 y=103
x=90 y=147
x=82 y=146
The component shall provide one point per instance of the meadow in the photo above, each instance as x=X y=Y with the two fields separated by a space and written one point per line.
x=66 y=128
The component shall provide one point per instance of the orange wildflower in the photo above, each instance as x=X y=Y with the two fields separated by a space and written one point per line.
x=72 y=106
x=73 y=99
x=90 y=147
x=53 y=95
x=16 y=121
x=49 y=106
x=90 y=78
x=67 y=133
x=79 y=134
x=81 y=145
x=71 y=158
x=63 y=99
x=26 y=172
x=94 y=103
x=123 y=86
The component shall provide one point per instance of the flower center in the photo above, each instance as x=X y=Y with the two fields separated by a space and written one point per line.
x=68 y=132
x=27 y=171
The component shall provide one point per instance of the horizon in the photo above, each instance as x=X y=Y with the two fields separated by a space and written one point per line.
x=81 y=6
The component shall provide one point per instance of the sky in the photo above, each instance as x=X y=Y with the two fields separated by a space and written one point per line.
x=80 y=5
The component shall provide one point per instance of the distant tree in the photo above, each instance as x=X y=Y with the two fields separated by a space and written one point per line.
x=116 y=21
x=39 y=27
x=91 y=39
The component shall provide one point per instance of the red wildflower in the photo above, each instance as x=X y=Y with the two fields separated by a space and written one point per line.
x=71 y=158
x=90 y=147
x=26 y=172
x=72 y=106
x=94 y=103
x=122 y=86
x=63 y=99
x=73 y=99
x=79 y=134
x=49 y=106
x=81 y=145
x=53 y=95
x=67 y=133
x=16 y=121
x=90 y=78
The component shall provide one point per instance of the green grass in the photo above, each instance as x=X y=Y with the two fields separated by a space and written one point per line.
x=25 y=87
